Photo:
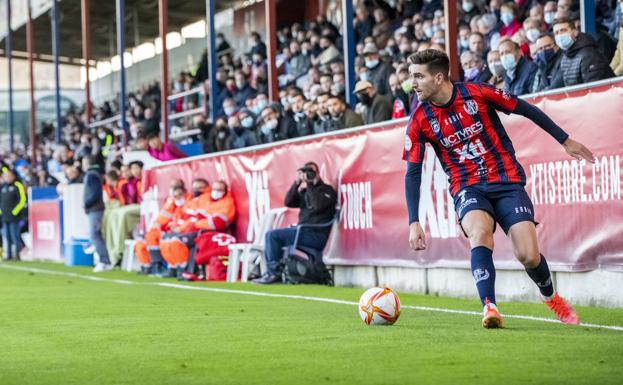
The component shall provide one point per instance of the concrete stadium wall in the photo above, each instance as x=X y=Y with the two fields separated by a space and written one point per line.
x=593 y=288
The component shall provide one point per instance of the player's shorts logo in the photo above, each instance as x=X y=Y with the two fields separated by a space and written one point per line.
x=408 y=143
x=471 y=107
x=435 y=125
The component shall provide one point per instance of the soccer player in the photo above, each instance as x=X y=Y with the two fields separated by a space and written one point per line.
x=486 y=181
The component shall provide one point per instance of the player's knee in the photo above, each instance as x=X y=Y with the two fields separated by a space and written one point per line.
x=480 y=237
x=527 y=257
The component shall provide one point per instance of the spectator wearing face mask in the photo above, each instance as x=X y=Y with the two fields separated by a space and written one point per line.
x=534 y=28
x=377 y=71
x=470 y=8
x=376 y=108
x=464 y=32
x=400 y=98
x=276 y=126
x=299 y=64
x=243 y=89
x=548 y=57
x=243 y=130
x=229 y=107
x=520 y=71
x=257 y=45
x=219 y=140
x=496 y=68
x=508 y=16
x=341 y=116
x=581 y=61
x=549 y=13
x=474 y=68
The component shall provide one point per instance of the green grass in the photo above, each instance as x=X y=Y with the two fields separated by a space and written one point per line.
x=57 y=329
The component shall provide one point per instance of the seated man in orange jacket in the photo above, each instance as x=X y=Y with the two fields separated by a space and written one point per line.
x=147 y=250
x=214 y=210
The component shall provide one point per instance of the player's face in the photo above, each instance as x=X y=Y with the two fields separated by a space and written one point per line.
x=425 y=85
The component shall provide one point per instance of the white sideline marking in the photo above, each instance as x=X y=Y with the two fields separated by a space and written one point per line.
x=289 y=296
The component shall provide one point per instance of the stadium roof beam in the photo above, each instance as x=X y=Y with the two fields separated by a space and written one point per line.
x=181 y=13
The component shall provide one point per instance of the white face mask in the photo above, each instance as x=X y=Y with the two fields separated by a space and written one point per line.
x=533 y=34
x=180 y=202
x=216 y=195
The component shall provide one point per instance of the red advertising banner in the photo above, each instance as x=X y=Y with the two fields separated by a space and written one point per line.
x=578 y=205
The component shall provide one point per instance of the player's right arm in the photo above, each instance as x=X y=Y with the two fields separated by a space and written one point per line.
x=414 y=155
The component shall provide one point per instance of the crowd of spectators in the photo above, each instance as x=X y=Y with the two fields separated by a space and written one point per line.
x=523 y=46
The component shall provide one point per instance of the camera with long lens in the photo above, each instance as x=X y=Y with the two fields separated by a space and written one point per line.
x=310 y=173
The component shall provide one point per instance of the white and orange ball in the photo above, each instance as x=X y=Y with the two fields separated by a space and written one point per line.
x=379 y=306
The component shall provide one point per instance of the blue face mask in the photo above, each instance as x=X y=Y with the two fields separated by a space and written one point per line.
x=471 y=74
x=544 y=57
x=508 y=62
x=364 y=76
x=372 y=63
x=247 y=122
x=507 y=18
x=564 y=41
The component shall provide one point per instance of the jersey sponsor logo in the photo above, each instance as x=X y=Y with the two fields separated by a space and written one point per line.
x=481 y=275
x=408 y=143
x=472 y=150
x=471 y=107
x=462 y=135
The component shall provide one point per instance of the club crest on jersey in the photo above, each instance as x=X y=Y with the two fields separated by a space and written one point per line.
x=435 y=125
x=408 y=143
x=471 y=107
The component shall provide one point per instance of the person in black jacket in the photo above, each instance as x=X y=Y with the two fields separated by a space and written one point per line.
x=12 y=203
x=94 y=208
x=316 y=201
x=581 y=62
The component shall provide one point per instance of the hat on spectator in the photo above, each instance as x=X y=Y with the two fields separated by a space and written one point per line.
x=370 y=48
x=362 y=85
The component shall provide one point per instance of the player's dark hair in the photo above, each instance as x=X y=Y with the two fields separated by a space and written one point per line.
x=435 y=61
x=565 y=20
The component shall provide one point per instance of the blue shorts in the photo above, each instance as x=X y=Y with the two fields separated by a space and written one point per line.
x=506 y=203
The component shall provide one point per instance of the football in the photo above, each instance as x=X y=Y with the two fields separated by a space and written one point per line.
x=379 y=306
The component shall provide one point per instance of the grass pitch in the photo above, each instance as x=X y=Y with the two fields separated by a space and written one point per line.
x=60 y=329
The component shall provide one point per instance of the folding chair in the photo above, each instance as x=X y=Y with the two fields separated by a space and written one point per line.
x=251 y=254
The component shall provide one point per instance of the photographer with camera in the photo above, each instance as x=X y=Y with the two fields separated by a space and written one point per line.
x=316 y=201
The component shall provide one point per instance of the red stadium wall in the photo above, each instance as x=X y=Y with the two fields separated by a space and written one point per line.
x=579 y=205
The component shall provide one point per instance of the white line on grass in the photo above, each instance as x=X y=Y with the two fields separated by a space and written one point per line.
x=289 y=296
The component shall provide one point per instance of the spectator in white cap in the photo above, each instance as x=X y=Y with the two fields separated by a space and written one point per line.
x=374 y=107
x=378 y=71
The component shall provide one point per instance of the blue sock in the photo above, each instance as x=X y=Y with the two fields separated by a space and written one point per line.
x=483 y=271
x=542 y=277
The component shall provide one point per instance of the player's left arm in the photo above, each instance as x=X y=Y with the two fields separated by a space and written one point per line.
x=507 y=103
x=573 y=148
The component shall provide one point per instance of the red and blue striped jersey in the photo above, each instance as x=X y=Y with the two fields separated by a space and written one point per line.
x=467 y=136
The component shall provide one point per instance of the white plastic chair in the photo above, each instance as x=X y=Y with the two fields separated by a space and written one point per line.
x=129 y=262
x=250 y=254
